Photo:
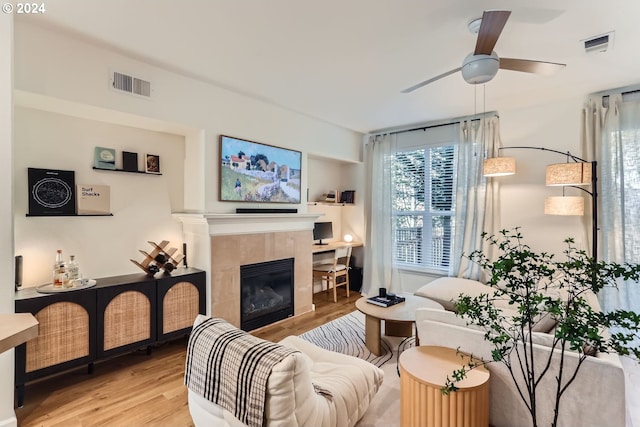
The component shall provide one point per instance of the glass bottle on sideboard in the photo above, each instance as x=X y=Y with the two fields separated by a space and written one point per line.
x=60 y=275
x=73 y=269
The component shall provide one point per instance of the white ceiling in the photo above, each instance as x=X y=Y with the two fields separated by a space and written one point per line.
x=346 y=61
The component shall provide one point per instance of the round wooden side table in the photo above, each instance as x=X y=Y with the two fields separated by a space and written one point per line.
x=398 y=319
x=423 y=372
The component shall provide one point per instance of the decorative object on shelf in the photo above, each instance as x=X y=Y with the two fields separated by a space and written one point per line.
x=331 y=196
x=254 y=172
x=348 y=238
x=93 y=199
x=104 y=158
x=152 y=163
x=129 y=161
x=184 y=255
x=18 y=271
x=159 y=259
x=51 y=192
x=348 y=196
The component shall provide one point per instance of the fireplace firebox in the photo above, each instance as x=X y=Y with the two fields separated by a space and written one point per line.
x=266 y=293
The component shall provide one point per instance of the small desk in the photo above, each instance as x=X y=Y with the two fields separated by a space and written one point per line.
x=332 y=246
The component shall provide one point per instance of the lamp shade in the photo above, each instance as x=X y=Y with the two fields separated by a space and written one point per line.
x=561 y=205
x=499 y=166
x=569 y=174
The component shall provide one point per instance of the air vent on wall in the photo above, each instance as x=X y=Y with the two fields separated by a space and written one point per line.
x=600 y=43
x=130 y=84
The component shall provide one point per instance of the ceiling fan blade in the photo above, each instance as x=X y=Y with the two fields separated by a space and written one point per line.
x=529 y=66
x=431 y=80
x=493 y=22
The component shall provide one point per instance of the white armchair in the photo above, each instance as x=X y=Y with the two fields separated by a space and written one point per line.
x=291 y=397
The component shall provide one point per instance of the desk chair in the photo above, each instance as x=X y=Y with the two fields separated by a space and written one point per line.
x=330 y=272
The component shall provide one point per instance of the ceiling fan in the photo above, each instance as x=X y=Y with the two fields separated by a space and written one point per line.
x=483 y=63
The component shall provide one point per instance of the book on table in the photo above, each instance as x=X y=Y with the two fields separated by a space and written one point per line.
x=385 y=301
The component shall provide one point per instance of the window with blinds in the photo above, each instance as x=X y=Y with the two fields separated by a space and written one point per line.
x=424 y=206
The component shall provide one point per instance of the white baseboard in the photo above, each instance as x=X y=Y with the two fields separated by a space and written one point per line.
x=9 y=422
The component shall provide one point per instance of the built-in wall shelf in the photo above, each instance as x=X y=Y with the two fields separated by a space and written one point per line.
x=50 y=215
x=122 y=170
x=330 y=204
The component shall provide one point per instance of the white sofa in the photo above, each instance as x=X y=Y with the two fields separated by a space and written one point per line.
x=291 y=399
x=596 y=398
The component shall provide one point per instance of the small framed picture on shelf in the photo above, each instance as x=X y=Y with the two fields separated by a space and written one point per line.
x=152 y=163
x=104 y=158
x=51 y=192
x=129 y=161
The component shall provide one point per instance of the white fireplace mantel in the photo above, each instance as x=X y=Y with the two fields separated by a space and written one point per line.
x=230 y=224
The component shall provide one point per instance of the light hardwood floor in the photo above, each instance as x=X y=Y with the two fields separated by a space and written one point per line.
x=138 y=390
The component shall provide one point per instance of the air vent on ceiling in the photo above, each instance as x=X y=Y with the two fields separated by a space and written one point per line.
x=600 y=43
x=130 y=84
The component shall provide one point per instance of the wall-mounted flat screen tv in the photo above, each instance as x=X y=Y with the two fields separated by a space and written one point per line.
x=255 y=172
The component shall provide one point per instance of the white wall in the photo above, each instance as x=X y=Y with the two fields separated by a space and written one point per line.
x=141 y=204
x=555 y=126
x=7 y=415
x=62 y=67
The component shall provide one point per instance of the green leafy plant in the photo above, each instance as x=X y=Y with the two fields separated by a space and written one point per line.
x=535 y=286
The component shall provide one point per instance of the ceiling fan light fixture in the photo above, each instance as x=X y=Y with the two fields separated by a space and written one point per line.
x=478 y=69
x=474 y=25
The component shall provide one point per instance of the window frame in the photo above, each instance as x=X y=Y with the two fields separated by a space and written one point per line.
x=428 y=214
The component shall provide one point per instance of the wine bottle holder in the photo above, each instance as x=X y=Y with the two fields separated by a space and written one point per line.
x=160 y=258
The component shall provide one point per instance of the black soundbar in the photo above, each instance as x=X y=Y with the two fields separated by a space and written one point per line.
x=265 y=210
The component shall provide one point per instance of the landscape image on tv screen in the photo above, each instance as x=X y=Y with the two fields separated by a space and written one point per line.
x=254 y=172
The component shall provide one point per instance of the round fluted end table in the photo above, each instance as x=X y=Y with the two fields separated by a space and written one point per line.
x=423 y=372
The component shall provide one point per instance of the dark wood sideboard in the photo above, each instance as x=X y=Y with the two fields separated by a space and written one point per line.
x=118 y=315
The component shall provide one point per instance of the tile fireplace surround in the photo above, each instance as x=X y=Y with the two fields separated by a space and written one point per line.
x=221 y=243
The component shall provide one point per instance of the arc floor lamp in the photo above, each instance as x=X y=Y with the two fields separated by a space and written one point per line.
x=575 y=172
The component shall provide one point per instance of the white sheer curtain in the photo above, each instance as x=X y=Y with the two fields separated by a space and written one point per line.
x=611 y=135
x=476 y=201
x=476 y=209
x=378 y=261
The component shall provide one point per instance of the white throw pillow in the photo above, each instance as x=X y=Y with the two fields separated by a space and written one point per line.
x=446 y=290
